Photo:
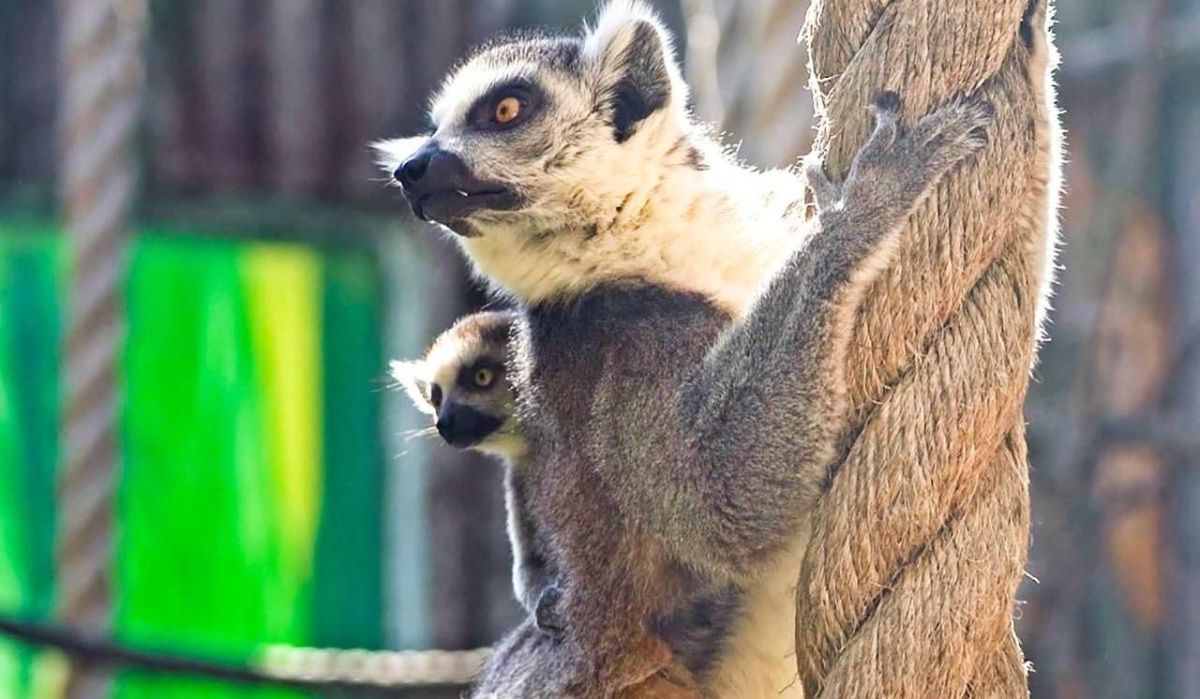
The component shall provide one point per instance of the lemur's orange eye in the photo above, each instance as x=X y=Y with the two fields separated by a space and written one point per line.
x=507 y=109
x=484 y=377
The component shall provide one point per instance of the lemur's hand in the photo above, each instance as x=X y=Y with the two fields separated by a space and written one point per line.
x=895 y=168
x=546 y=614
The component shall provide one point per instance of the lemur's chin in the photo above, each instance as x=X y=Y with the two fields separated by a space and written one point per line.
x=452 y=207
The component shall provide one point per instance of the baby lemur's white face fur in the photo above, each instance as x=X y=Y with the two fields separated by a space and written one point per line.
x=462 y=385
x=559 y=162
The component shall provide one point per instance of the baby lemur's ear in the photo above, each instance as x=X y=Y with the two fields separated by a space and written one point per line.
x=411 y=376
x=634 y=62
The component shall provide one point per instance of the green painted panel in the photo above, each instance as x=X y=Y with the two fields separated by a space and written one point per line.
x=249 y=506
x=200 y=556
x=29 y=269
x=348 y=593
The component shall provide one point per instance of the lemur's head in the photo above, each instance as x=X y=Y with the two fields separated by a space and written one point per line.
x=535 y=133
x=462 y=385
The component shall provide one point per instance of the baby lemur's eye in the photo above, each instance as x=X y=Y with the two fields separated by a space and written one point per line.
x=435 y=396
x=507 y=109
x=484 y=377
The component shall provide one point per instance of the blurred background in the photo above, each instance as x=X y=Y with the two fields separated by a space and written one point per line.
x=266 y=485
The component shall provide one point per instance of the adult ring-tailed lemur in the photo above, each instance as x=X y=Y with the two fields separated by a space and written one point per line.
x=677 y=359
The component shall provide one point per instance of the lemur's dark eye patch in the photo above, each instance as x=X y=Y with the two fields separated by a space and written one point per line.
x=506 y=106
x=480 y=376
x=484 y=377
x=435 y=396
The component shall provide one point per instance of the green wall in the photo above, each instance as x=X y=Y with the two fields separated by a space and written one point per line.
x=249 y=504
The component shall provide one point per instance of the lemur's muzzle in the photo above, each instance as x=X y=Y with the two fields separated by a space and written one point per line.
x=463 y=426
x=441 y=187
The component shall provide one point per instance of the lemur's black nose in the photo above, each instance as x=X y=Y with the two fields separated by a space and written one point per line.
x=414 y=168
x=441 y=187
x=432 y=169
x=463 y=426
x=447 y=424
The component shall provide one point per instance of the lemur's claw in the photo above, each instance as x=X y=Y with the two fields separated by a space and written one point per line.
x=887 y=101
x=886 y=109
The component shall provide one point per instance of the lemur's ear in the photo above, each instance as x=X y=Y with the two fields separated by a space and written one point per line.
x=636 y=71
x=411 y=376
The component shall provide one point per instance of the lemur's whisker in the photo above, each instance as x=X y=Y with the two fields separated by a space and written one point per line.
x=412 y=434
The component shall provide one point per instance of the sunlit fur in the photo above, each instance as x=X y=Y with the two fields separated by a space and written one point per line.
x=760 y=661
x=667 y=205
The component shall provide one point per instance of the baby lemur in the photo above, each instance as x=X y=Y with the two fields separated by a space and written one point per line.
x=683 y=414
x=462 y=383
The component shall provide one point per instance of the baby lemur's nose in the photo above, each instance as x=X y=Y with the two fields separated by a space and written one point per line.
x=464 y=426
x=446 y=423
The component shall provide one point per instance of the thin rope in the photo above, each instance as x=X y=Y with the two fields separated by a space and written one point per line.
x=101 y=78
x=280 y=666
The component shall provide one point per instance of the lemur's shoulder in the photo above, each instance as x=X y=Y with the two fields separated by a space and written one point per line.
x=615 y=339
x=614 y=305
x=610 y=316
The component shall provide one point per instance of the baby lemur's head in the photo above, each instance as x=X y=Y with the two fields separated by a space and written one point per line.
x=462 y=385
x=538 y=133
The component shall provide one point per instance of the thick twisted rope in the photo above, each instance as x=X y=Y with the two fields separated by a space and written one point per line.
x=101 y=77
x=909 y=584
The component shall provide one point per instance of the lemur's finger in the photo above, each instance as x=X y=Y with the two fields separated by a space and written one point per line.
x=953 y=133
x=825 y=193
x=952 y=122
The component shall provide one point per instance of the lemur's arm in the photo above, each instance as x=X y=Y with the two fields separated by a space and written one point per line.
x=749 y=434
x=528 y=568
x=535 y=577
